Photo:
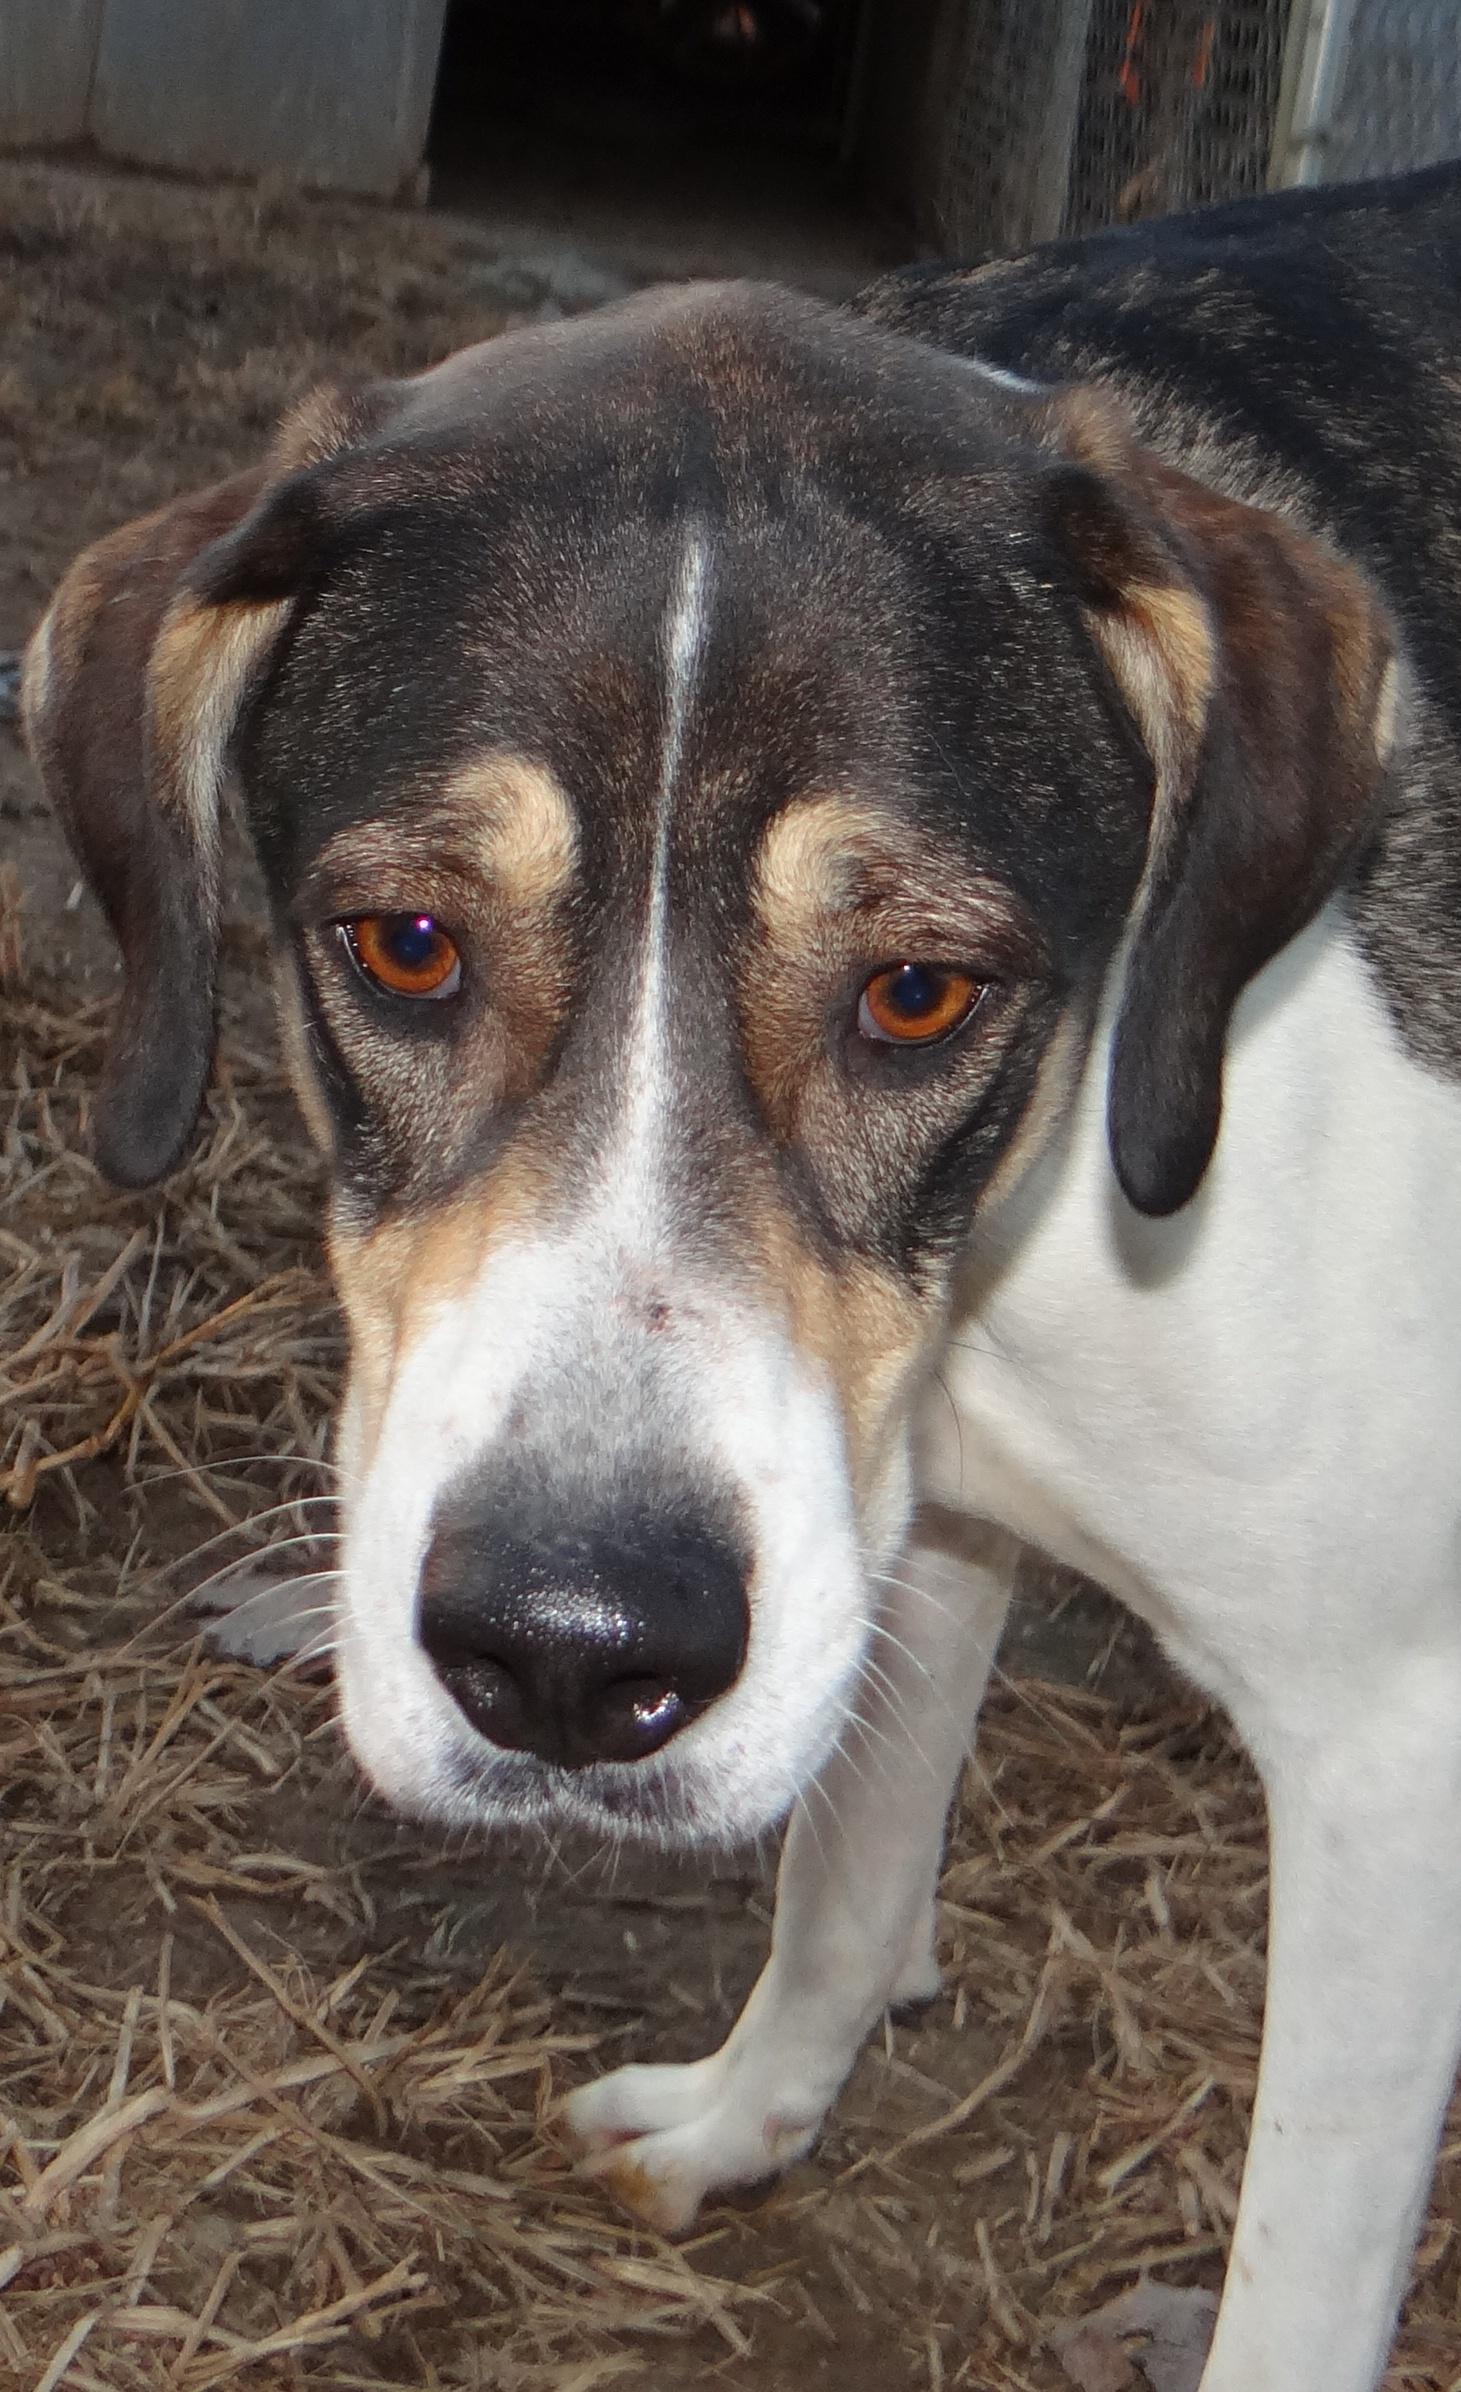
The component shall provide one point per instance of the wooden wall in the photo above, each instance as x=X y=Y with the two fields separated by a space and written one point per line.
x=334 y=94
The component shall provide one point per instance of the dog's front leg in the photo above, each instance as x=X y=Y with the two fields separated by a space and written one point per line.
x=854 y=1911
x=1361 y=2034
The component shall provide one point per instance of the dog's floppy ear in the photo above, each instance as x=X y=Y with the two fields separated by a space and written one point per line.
x=1257 y=667
x=132 y=688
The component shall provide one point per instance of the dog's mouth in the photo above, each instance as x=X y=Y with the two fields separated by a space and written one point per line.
x=729 y=1780
x=659 y=1805
x=653 y=1803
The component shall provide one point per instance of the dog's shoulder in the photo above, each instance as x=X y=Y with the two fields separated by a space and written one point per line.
x=1301 y=351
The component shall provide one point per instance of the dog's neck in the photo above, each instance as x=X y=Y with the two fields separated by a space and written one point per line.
x=1096 y=1337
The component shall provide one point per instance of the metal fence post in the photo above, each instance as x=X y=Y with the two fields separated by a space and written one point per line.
x=1313 y=75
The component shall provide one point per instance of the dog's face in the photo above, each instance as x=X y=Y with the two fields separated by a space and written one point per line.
x=704 y=762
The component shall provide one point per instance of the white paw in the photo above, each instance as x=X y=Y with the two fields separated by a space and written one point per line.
x=664 y=2138
x=260 y=1615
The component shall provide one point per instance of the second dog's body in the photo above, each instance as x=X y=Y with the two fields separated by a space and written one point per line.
x=849 y=825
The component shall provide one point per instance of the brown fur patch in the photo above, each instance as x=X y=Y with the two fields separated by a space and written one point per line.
x=393 y=1276
x=879 y=1328
x=857 y=1321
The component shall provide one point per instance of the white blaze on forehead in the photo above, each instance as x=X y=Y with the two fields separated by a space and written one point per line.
x=646 y=1073
x=1006 y=379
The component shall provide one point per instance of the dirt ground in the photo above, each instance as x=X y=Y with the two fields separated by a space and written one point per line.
x=274 y=2065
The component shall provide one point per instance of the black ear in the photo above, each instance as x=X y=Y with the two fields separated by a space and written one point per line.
x=133 y=684
x=1257 y=666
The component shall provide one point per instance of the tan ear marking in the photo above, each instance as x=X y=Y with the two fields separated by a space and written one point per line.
x=1149 y=622
x=53 y=655
x=200 y=665
x=1254 y=660
x=128 y=694
x=1387 y=710
x=37 y=672
x=1159 y=645
x=316 y=428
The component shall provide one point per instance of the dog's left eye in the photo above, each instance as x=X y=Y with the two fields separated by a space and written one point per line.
x=913 y=1004
x=407 y=955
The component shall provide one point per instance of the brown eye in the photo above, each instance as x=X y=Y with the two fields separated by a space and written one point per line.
x=408 y=955
x=912 y=1004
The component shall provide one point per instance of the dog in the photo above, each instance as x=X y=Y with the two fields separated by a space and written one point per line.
x=868 y=911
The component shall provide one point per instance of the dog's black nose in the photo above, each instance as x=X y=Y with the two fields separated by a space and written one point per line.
x=597 y=1646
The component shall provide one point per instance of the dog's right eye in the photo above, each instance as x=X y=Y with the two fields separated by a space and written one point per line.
x=916 y=1004
x=406 y=955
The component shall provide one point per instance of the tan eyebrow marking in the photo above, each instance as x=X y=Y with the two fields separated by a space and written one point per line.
x=502 y=820
x=825 y=858
x=516 y=815
x=810 y=862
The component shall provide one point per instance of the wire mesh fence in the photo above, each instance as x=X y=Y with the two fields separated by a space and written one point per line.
x=1061 y=116
x=1179 y=107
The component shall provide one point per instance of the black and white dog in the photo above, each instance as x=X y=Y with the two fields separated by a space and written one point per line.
x=791 y=833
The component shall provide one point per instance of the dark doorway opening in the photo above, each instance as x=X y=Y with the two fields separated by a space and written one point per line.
x=680 y=136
